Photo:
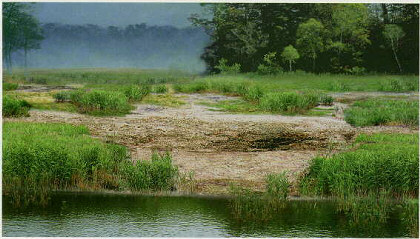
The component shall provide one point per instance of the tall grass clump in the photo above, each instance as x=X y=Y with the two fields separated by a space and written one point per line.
x=277 y=185
x=97 y=102
x=381 y=162
x=379 y=112
x=136 y=93
x=14 y=107
x=291 y=102
x=62 y=96
x=161 y=89
x=40 y=157
x=399 y=85
x=10 y=86
x=156 y=174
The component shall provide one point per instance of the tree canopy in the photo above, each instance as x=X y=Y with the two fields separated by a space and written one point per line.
x=341 y=38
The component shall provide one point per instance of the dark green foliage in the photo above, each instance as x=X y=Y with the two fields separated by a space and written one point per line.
x=382 y=162
x=14 y=107
x=327 y=100
x=342 y=38
x=378 y=112
x=157 y=174
x=10 y=86
x=277 y=185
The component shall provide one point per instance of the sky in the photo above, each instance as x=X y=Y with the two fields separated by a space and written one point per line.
x=117 y=14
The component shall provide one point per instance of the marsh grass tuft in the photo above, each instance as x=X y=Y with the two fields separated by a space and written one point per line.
x=14 y=107
x=10 y=86
x=277 y=185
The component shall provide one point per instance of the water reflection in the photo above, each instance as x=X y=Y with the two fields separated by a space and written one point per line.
x=129 y=215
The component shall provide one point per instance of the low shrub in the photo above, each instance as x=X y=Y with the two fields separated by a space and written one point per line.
x=378 y=112
x=277 y=185
x=14 y=107
x=10 y=86
x=224 y=68
x=381 y=162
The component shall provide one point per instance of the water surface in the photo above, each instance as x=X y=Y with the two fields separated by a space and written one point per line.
x=96 y=215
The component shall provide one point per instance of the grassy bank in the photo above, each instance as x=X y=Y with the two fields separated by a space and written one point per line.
x=378 y=162
x=40 y=157
x=383 y=112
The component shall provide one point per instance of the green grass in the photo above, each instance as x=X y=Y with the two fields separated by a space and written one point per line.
x=161 y=89
x=40 y=157
x=303 y=81
x=10 y=86
x=169 y=100
x=157 y=174
x=97 y=102
x=378 y=162
x=97 y=77
x=14 y=107
x=290 y=102
x=277 y=185
x=383 y=112
x=136 y=93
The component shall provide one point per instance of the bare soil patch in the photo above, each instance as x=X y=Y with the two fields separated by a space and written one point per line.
x=220 y=148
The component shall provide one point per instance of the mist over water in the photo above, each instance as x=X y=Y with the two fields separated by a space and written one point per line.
x=139 y=46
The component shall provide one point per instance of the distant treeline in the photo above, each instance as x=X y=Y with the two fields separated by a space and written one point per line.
x=337 y=38
x=131 y=46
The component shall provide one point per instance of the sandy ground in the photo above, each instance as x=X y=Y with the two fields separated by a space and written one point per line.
x=221 y=148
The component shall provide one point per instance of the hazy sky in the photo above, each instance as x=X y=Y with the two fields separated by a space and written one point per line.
x=117 y=14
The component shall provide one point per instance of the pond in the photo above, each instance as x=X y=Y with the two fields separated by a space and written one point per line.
x=98 y=215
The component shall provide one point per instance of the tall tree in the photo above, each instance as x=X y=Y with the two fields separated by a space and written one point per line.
x=290 y=54
x=350 y=32
x=310 y=39
x=31 y=35
x=21 y=31
x=393 y=34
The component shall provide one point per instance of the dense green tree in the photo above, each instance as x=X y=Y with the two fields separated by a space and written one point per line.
x=311 y=39
x=290 y=54
x=350 y=33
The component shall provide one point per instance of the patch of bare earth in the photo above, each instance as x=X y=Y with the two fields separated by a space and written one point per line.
x=219 y=148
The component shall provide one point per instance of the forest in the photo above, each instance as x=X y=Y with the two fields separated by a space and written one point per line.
x=335 y=38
